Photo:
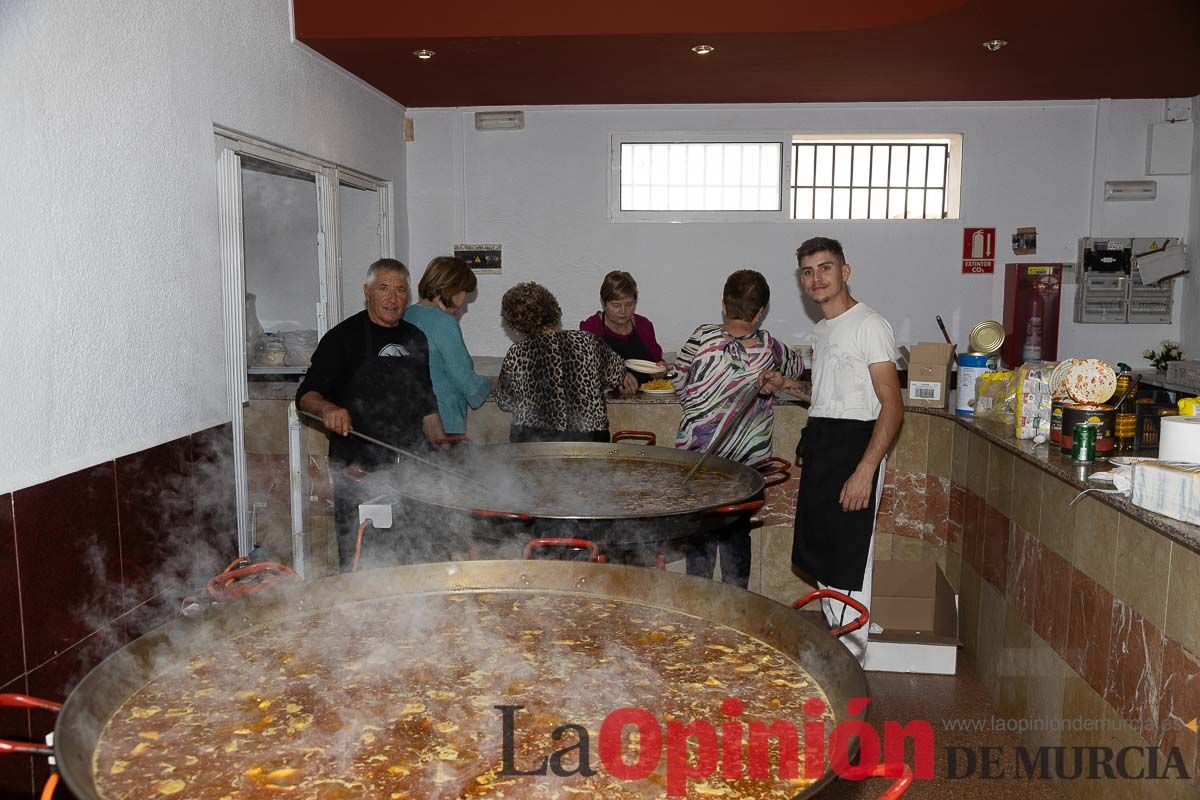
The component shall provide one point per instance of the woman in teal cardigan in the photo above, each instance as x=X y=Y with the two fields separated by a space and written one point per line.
x=443 y=291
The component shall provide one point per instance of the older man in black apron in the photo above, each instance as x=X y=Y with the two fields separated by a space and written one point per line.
x=370 y=373
x=855 y=414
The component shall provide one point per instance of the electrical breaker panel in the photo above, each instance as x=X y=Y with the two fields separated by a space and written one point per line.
x=1110 y=288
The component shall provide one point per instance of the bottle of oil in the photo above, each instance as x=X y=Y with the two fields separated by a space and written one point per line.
x=1125 y=424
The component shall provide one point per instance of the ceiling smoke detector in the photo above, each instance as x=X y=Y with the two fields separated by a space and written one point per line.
x=703 y=49
x=424 y=55
x=994 y=44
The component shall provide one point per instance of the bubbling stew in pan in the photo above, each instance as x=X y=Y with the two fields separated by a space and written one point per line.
x=587 y=487
x=396 y=698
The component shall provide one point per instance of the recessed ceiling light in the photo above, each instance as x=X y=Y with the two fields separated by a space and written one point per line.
x=994 y=44
x=424 y=55
x=703 y=49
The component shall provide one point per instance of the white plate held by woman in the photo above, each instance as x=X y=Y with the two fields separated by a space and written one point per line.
x=645 y=367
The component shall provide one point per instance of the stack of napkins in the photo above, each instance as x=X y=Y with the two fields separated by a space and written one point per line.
x=1170 y=488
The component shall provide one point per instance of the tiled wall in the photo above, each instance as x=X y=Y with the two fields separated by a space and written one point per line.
x=91 y=560
x=920 y=512
x=1066 y=612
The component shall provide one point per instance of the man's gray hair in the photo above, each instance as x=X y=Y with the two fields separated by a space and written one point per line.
x=386 y=265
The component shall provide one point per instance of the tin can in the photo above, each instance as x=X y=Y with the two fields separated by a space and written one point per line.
x=970 y=367
x=1056 y=419
x=986 y=337
x=1102 y=416
x=1083 y=443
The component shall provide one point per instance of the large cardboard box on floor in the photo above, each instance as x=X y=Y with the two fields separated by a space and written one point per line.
x=917 y=610
x=929 y=374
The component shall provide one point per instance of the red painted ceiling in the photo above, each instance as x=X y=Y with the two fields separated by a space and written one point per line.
x=532 y=52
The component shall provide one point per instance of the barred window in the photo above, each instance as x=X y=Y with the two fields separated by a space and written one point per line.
x=877 y=178
x=776 y=176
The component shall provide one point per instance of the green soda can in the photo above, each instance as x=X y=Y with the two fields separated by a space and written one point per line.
x=1083 y=442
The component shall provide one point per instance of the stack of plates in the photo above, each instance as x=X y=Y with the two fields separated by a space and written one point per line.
x=645 y=367
x=649 y=368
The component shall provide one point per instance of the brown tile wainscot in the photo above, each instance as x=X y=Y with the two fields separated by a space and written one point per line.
x=95 y=558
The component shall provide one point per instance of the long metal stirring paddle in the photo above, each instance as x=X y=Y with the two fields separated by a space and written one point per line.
x=731 y=420
x=407 y=454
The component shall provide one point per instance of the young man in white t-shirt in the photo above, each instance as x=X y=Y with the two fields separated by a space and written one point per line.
x=855 y=414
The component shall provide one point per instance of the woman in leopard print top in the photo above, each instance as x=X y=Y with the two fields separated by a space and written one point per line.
x=553 y=381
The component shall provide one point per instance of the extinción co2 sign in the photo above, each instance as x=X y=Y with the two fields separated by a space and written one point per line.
x=979 y=250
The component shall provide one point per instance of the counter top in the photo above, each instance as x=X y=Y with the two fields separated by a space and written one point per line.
x=1051 y=459
x=1152 y=377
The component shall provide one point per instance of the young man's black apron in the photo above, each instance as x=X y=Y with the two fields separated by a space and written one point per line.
x=831 y=545
x=378 y=397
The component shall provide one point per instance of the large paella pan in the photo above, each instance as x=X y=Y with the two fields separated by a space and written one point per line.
x=620 y=493
x=404 y=683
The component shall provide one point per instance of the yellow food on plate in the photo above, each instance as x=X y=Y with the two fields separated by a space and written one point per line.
x=657 y=385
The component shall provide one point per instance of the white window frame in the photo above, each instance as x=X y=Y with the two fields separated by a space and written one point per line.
x=783 y=138
x=953 y=186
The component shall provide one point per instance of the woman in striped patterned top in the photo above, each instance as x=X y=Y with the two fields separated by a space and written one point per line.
x=715 y=370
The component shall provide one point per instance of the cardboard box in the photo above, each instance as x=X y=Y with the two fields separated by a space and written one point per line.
x=929 y=374
x=918 y=610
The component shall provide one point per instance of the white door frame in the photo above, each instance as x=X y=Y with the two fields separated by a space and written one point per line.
x=230 y=147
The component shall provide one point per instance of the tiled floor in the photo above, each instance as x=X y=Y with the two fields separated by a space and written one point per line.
x=935 y=698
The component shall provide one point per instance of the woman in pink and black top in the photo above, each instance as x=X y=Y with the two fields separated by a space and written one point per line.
x=630 y=335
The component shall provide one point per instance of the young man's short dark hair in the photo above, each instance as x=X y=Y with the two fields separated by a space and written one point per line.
x=821 y=244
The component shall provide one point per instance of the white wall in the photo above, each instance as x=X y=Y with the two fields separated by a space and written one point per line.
x=110 y=315
x=543 y=194
x=1122 y=130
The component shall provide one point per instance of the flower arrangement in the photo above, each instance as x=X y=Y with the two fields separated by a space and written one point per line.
x=1158 y=358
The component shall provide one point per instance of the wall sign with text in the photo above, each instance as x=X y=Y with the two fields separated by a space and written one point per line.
x=979 y=251
x=484 y=259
